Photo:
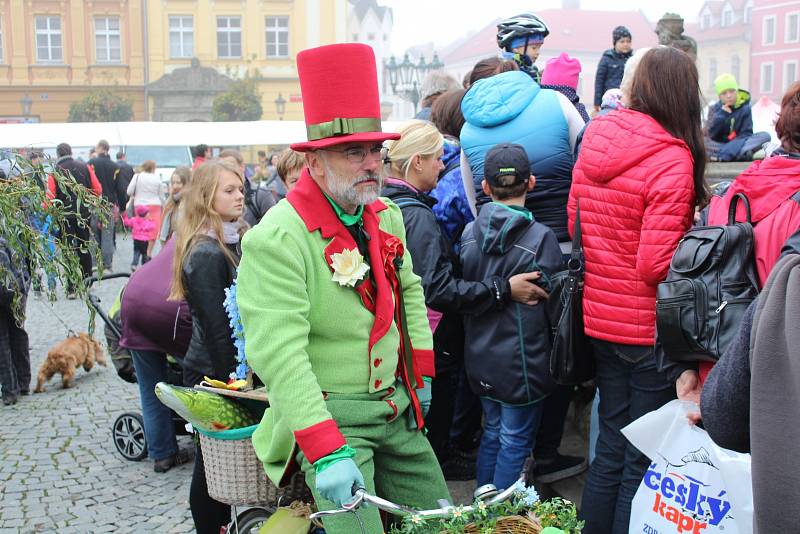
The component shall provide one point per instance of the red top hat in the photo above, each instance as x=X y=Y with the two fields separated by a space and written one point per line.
x=340 y=96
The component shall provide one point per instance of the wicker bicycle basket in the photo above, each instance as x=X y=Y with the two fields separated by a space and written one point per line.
x=513 y=524
x=235 y=475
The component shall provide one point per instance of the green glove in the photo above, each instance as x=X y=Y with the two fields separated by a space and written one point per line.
x=424 y=396
x=337 y=474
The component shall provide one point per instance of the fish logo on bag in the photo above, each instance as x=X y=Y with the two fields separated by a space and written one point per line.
x=688 y=503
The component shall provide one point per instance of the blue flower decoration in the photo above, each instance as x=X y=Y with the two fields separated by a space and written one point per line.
x=232 y=309
x=528 y=494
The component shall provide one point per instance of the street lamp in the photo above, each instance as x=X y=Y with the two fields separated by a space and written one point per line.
x=26 y=105
x=406 y=77
x=280 y=106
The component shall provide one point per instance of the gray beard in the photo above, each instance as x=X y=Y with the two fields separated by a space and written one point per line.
x=347 y=194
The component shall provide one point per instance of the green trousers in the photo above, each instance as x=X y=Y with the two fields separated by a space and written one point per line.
x=395 y=458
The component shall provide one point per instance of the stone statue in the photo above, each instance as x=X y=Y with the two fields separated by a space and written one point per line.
x=670 y=33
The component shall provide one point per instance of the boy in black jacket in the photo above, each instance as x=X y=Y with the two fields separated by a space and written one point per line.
x=730 y=124
x=507 y=350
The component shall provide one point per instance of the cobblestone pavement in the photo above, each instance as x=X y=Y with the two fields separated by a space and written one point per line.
x=59 y=469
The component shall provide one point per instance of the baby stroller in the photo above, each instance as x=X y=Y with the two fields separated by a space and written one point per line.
x=128 y=429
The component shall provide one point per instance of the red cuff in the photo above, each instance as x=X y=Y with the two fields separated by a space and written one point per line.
x=319 y=440
x=424 y=362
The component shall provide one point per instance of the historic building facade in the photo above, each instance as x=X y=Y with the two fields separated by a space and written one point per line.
x=52 y=52
x=169 y=57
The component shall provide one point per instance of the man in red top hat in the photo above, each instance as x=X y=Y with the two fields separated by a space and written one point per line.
x=334 y=316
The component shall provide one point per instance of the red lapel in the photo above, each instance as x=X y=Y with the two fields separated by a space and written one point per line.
x=316 y=212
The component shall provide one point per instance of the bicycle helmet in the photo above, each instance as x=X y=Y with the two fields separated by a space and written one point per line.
x=524 y=25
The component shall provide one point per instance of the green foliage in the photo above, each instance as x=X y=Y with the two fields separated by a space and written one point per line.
x=241 y=102
x=101 y=106
x=558 y=513
x=24 y=208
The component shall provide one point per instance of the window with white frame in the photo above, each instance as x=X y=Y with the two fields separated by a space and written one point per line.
x=727 y=15
x=768 y=31
x=49 y=47
x=748 y=12
x=705 y=18
x=229 y=37
x=277 y=37
x=1 y=41
x=736 y=67
x=181 y=36
x=107 y=41
x=792 y=27
x=767 y=74
x=789 y=74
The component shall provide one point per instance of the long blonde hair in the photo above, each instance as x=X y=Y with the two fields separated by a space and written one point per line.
x=196 y=215
x=418 y=138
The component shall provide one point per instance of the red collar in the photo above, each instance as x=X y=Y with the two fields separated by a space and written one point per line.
x=316 y=212
x=310 y=203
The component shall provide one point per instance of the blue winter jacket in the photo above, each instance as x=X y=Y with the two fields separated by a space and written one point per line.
x=452 y=207
x=511 y=107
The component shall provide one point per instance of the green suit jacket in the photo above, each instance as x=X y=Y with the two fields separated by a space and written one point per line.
x=307 y=334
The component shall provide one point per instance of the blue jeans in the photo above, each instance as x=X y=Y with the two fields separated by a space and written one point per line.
x=509 y=433
x=151 y=368
x=630 y=386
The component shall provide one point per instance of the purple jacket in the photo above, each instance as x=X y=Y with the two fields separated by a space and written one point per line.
x=149 y=320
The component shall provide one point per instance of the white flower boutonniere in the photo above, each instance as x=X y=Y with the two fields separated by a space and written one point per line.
x=348 y=267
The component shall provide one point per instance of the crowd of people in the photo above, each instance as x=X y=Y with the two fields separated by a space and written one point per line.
x=369 y=319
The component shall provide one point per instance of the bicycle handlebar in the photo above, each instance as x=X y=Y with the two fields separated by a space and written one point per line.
x=361 y=497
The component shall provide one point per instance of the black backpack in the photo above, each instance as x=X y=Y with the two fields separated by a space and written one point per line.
x=711 y=282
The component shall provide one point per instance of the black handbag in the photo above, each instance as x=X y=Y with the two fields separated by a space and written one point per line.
x=571 y=358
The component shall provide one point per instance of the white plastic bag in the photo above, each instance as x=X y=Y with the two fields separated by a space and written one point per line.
x=692 y=486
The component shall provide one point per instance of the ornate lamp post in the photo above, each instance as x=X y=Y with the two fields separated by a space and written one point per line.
x=406 y=77
x=280 y=106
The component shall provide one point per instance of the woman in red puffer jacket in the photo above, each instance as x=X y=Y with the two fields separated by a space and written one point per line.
x=638 y=178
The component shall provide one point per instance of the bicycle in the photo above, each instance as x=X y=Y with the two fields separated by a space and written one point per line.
x=487 y=494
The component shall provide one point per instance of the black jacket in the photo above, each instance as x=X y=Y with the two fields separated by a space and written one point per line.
x=206 y=274
x=80 y=173
x=435 y=263
x=106 y=171
x=609 y=73
x=257 y=201
x=507 y=350
x=123 y=179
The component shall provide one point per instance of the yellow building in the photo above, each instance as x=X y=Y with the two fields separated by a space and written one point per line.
x=234 y=38
x=52 y=52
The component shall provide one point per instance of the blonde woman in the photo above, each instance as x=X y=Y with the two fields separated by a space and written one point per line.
x=413 y=172
x=179 y=180
x=207 y=252
x=146 y=189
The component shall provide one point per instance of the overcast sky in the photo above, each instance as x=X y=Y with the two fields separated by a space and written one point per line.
x=443 y=21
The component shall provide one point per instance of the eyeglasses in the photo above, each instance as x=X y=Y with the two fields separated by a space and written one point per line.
x=357 y=155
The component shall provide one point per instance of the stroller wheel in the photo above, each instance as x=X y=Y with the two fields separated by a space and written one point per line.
x=250 y=521
x=129 y=438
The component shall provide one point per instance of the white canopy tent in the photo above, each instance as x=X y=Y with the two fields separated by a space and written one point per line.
x=256 y=133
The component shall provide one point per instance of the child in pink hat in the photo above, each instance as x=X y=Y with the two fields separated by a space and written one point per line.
x=561 y=74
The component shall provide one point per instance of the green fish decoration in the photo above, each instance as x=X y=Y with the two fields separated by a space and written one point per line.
x=206 y=411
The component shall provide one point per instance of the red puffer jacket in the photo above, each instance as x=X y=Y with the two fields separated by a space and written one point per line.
x=636 y=190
